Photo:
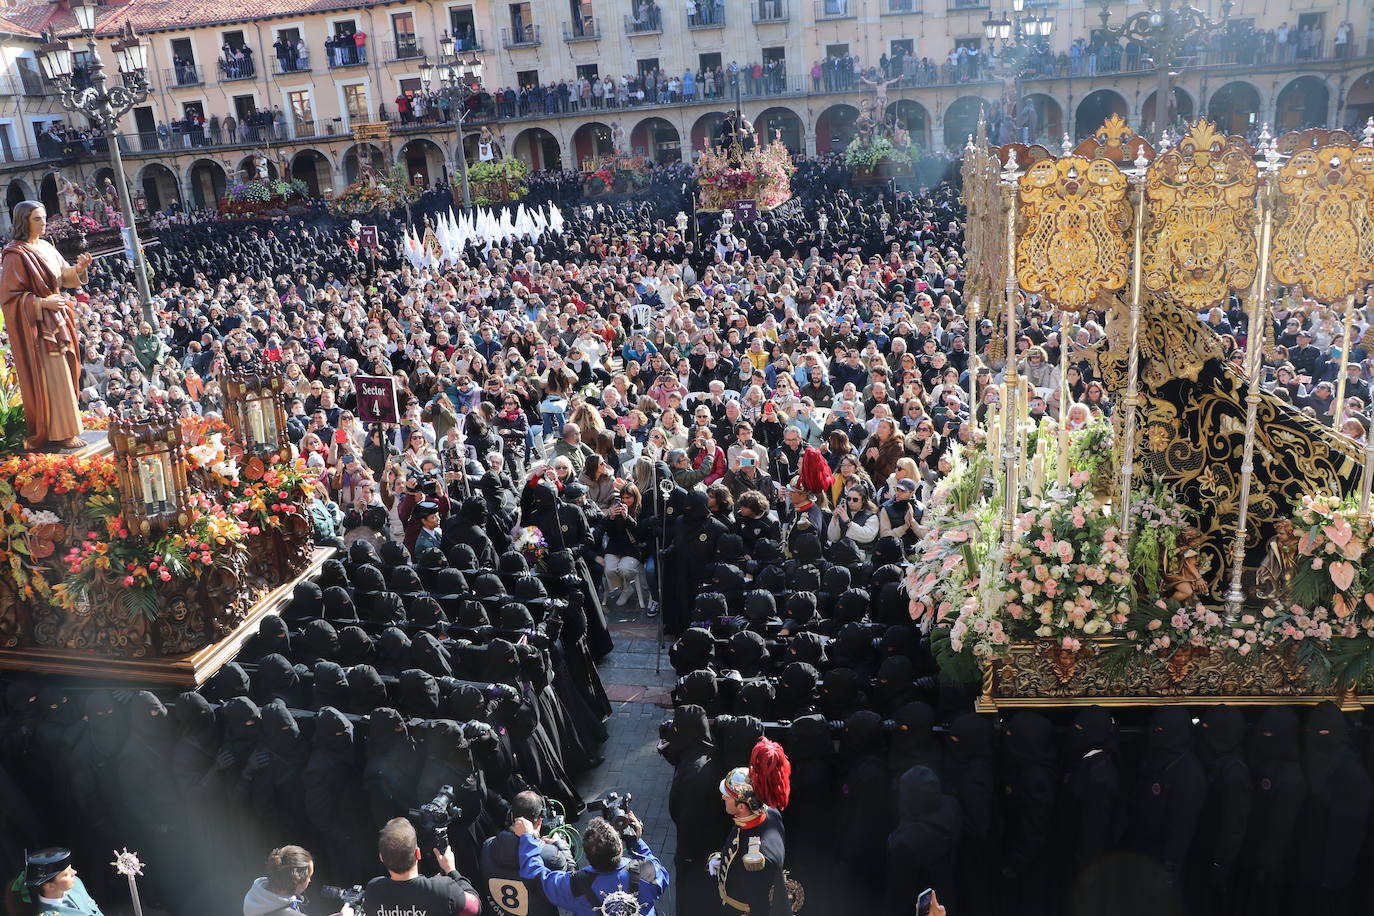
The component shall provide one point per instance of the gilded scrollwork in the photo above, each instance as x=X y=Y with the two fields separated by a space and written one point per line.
x=1200 y=245
x=1075 y=238
x=1324 y=232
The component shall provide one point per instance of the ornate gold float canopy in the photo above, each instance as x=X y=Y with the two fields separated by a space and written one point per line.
x=1200 y=245
x=1324 y=240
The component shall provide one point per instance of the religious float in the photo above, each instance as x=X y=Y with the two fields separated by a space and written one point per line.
x=374 y=193
x=1208 y=543
x=264 y=197
x=499 y=181
x=737 y=167
x=90 y=219
x=881 y=149
x=152 y=555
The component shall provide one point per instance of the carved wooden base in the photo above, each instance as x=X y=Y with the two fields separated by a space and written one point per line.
x=187 y=670
x=1041 y=675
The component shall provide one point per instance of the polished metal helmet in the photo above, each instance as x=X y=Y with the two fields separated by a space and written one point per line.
x=739 y=785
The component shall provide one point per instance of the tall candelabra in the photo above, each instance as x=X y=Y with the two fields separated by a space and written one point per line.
x=104 y=105
x=1165 y=30
x=458 y=80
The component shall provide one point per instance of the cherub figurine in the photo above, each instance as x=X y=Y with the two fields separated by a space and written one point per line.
x=1185 y=582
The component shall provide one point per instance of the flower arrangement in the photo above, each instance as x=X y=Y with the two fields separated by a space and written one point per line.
x=71 y=227
x=1156 y=519
x=762 y=174
x=530 y=542
x=499 y=180
x=260 y=195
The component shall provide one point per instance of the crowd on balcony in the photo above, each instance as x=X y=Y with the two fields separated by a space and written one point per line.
x=236 y=63
x=292 y=56
x=61 y=140
x=702 y=13
x=347 y=48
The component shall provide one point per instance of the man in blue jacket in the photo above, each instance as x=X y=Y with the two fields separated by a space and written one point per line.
x=608 y=872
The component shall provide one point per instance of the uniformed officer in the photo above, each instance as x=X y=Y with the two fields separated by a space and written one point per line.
x=749 y=870
x=49 y=886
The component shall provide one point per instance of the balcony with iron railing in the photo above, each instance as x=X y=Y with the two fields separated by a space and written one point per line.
x=834 y=9
x=584 y=29
x=289 y=65
x=406 y=47
x=648 y=21
x=708 y=15
x=900 y=7
x=765 y=11
x=344 y=53
x=185 y=75
x=233 y=70
x=471 y=40
x=967 y=6
x=522 y=37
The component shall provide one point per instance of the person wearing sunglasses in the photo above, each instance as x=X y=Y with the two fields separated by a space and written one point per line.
x=856 y=518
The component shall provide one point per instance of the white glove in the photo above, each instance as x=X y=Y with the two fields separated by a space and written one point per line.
x=713 y=865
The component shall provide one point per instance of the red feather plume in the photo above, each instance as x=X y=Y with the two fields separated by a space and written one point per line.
x=771 y=773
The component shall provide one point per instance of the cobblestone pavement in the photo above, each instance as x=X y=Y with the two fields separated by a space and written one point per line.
x=639 y=698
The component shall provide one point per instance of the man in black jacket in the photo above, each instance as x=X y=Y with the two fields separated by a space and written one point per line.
x=685 y=742
x=403 y=889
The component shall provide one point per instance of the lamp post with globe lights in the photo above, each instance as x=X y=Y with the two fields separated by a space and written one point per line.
x=1165 y=30
x=458 y=80
x=1014 y=38
x=104 y=105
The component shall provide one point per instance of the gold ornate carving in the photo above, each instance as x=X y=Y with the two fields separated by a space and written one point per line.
x=1324 y=238
x=1116 y=141
x=1200 y=244
x=985 y=249
x=1076 y=230
x=1106 y=673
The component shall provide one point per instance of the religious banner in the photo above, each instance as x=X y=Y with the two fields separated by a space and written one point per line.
x=746 y=211
x=1324 y=232
x=1076 y=221
x=1200 y=197
x=367 y=237
x=377 y=399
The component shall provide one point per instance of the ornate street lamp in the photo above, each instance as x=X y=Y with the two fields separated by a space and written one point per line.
x=1165 y=30
x=458 y=80
x=1019 y=36
x=104 y=106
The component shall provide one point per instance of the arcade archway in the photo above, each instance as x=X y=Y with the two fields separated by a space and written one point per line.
x=17 y=192
x=538 y=148
x=835 y=128
x=208 y=182
x=961 y=120
x=1234 y=108
x=1302 y=104
x=657 y=139
x=159 y=186
x=1095 y=109
x=1359 y=102
x=1183 y=110
x=47 y=193
x=592 y=143
x=1039 y=119
x=704 y=130
x=360 y=155
x=311 y=167
x=912 y=117
x=784 y=124
x=247 y=169
x=424 y=161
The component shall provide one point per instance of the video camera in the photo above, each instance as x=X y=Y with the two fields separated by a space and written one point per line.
x=436 y=815
x=341 y=896
x=615 y=808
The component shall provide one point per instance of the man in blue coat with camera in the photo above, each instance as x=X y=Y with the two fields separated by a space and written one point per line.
x=609 y=872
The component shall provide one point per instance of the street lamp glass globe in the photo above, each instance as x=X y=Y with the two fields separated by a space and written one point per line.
x=84 y=11
x=446 y=45
x=1156 y=19
x=1004 y=30
x=55 y=60
x=1018 y=5
x=989 y=29
x=426 y=72
x=1046 y=26
x=474 y=66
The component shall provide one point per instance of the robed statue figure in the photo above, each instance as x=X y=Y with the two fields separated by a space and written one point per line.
x=41 y=322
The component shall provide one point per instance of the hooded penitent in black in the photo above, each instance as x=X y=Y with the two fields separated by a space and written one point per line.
x=971 y=778
x=333 y=797
x=277 y=679
x=1168 y=797
x=691 y=546
x=1332 y=825
x=1089 y=808
x=1226 y=812
x=912 y=741
x=392 y=767
x=1279 y=790
x=692 y=804
x=1029 y=776
x=863 y=805
x=922 y=851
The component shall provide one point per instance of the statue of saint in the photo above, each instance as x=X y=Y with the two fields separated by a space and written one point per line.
x=44 y=343
x=1280 y=557
x=73 y=198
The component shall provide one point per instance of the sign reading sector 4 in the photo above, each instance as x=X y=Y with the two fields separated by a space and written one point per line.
x=377 y=399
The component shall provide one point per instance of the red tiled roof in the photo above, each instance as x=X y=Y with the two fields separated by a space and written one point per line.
x=159 y=15
x=13 y=27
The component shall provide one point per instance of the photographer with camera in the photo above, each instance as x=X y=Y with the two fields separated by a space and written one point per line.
x=404 y=890
x=608 y=873
x=507 y=893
